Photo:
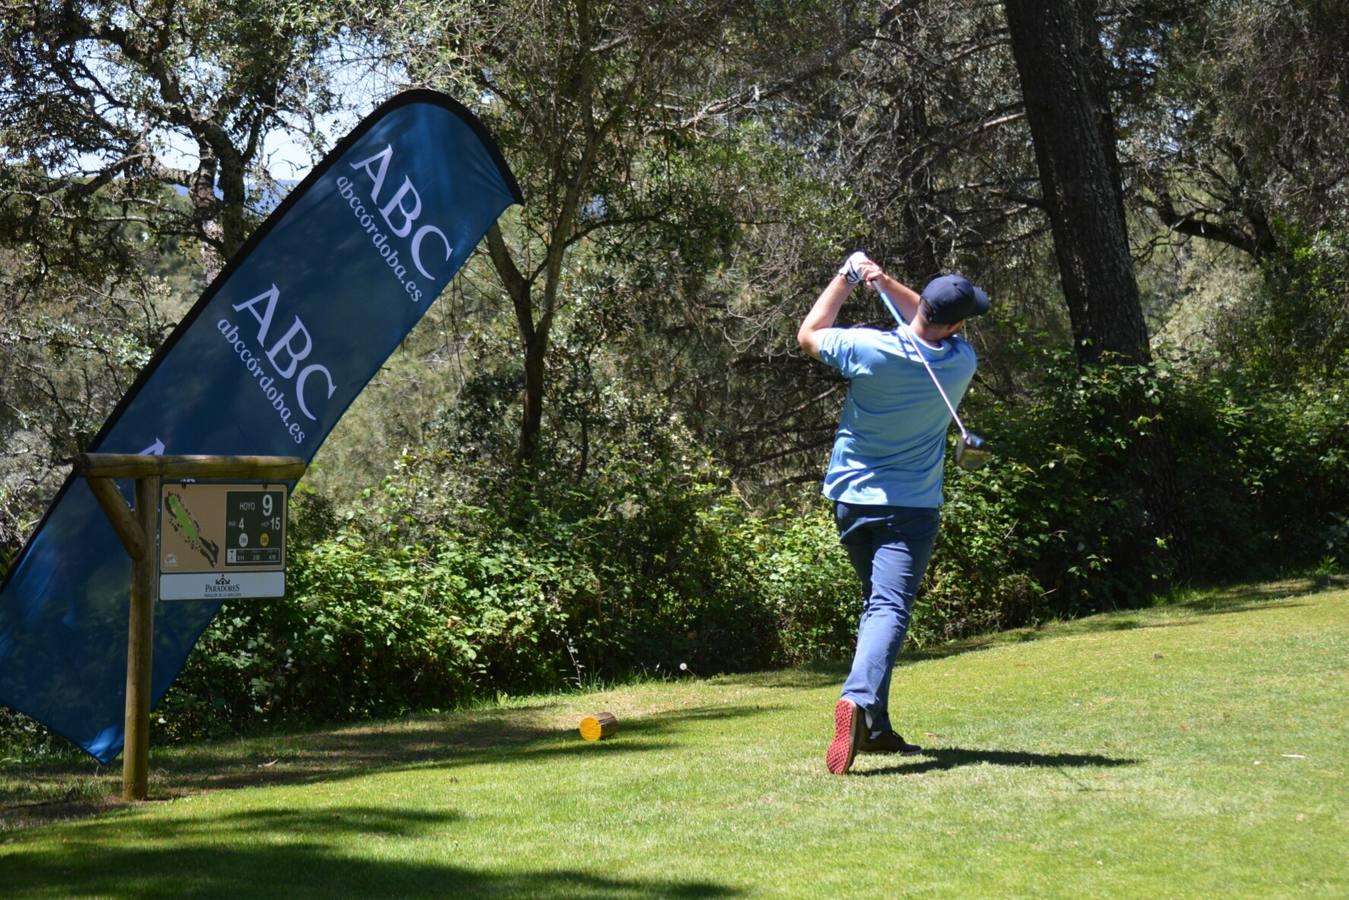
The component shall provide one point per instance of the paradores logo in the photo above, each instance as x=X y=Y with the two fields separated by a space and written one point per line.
x=222 y=587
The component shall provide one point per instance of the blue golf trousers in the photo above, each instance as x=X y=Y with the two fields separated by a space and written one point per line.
x=889 y=547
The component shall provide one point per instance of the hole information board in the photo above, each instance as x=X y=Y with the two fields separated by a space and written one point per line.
x=221 y=541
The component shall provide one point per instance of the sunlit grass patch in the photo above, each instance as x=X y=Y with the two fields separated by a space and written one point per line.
x=1186 y=750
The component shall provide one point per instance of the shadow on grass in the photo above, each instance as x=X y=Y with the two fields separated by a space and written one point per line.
x=660 y=723
x=942 y=758
x=1245 y=597
x=58 y=791
x=284 y=853
x=1213 y=601
x=806 y=677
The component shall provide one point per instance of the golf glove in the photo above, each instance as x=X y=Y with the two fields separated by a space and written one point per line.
x=851 y=265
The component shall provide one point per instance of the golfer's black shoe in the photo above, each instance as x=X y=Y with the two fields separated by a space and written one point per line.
x=890 y=742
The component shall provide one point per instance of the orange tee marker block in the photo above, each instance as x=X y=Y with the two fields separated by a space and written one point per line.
x=599 y=726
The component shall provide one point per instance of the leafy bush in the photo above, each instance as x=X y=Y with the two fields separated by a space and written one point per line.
x=1295 y=330
x=806 y=578
x=373 y=627
x=418 y=598
x=1267 y=472
x=1058 y=525
x=979 y=578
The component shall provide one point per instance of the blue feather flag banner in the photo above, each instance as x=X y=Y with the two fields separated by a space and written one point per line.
x=265 y=363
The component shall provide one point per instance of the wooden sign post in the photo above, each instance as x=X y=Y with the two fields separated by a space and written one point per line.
x=139 y=533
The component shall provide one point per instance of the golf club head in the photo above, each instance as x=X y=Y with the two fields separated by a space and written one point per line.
x=972 y=452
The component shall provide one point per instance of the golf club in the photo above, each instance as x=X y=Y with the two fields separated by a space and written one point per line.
x=972 y=451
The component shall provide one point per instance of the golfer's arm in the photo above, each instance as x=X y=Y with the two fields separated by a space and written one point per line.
x=905 y=297
x=822 y=315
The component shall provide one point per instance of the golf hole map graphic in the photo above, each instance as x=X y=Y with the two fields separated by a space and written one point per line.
x=222 y=541
x=265 y=363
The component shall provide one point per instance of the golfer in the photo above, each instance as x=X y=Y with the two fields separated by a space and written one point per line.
x=885 y=473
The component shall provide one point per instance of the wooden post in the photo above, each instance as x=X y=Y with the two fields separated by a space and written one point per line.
x=139 y=534
x=133 y=465
x=140 y=645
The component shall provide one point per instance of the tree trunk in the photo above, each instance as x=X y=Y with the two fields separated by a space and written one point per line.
x=202 y=194
x=1058 y=55
x=533 y=339
x=532 y=422
x=234 y=197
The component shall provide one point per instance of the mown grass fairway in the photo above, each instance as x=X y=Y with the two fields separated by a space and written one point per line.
x=1196 y=750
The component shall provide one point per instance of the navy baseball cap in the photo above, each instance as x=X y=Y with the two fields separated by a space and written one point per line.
x=953 y=298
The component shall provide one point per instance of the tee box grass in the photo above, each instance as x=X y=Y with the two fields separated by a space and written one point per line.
x=1192 y=750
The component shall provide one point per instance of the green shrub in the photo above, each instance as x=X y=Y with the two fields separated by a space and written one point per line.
x=1295 y=331
x=1057 y=525
x=994 y=526
x=371 y=627
x=806 y=578
x=1263 y=471
x=417 y=598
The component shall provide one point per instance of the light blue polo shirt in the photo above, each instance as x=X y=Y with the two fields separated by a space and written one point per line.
x=891 y=438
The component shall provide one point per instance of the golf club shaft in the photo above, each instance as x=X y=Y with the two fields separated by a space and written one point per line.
x=894 y=311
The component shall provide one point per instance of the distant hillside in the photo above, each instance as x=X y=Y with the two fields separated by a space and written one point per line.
x=268 y=197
